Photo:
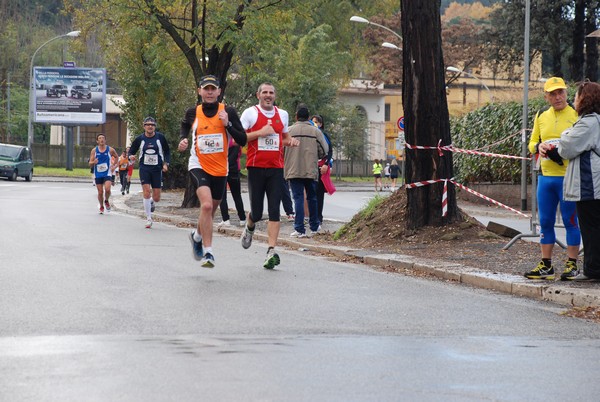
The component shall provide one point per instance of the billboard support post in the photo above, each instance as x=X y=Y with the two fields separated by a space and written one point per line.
x=70 y=146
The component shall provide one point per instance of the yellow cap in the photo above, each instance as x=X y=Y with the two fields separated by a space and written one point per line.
x=554 y=83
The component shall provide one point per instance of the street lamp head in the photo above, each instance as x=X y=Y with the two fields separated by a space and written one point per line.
x=73 y=34
x=356 y=18
x=453 y=69
x=390 y=46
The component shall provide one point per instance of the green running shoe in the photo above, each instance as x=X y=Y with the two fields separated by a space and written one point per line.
x=272 y=259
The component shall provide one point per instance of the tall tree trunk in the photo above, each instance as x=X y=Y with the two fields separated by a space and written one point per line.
x=576 y=58
x=591 y=44
x=554 y=40
x=426 y=114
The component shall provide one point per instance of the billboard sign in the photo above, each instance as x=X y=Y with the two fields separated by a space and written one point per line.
x=69 y=96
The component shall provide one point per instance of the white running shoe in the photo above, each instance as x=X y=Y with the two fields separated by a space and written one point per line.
x=246 y=237
x=243 y=223
x=149 y=224
x=224 y=223
x=298 y=235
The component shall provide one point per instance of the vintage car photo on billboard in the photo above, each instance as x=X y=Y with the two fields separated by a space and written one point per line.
x=69 y=96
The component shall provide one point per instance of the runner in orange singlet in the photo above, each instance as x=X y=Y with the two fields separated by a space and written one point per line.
x=211 y=123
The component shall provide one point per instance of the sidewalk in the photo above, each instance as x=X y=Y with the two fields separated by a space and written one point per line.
x=565 y=293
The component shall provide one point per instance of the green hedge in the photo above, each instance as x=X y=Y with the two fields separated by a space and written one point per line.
x=494 y=128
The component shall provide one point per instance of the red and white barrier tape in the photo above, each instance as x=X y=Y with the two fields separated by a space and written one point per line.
x=445 y=194
x=451 y=148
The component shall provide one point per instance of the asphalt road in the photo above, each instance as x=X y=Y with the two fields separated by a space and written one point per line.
x=95 y=307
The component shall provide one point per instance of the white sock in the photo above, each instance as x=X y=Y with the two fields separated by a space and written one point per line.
x=207 y=250
x=197 y=236
x=147 y=207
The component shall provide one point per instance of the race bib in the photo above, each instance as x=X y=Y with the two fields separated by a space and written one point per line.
x=103 y=167
x=269 y=143
x=151 y=160
x=210 y=143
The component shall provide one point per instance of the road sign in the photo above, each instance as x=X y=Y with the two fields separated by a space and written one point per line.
x=401 y=123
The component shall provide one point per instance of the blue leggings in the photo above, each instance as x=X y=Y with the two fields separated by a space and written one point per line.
x=549 y=195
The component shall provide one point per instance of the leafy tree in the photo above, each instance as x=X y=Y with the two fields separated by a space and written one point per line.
x=557 y=31
x=448 y=3
x=349 y=132
x=385 y=65
x=426 y=114
x=243 y=44
x=463 y=44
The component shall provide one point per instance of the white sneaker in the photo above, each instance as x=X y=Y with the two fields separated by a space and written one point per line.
x=246 y=237
x=298 y=235
x=316 y=232
x=149 y=224
x=224 y=223
x=243 y=223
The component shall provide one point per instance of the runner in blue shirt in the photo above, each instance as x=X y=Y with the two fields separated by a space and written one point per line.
x=100 y=161
x=154 y=158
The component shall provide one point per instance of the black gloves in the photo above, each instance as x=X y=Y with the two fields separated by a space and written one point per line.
x=554 y=156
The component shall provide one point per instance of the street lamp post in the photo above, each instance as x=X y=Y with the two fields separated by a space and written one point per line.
x=71 y=34
x=525 y=114
x=403 y=143
x=362 y=20
x=356 y=18
x=458 y=71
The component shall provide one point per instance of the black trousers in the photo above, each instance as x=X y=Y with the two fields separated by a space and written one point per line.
x=123 y=179
x=588 y=213
x=235 y=187
x=286 y=199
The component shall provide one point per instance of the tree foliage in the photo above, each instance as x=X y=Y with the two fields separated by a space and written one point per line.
x=557 y=31
x=158 y=50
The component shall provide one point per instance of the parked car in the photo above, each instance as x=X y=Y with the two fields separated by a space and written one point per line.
x=15 y=161
x=80 y=91
x=57 y=90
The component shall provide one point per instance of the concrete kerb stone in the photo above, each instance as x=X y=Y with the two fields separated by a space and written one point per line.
x=527 y=289
x=488 y=280
x=510 y=284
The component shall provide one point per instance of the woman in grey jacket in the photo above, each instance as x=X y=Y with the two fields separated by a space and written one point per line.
x=581 y=146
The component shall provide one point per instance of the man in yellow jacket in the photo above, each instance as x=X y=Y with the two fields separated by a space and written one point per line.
x=547 y=127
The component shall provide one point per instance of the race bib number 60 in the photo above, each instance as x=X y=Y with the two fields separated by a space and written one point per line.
x=269 y=143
